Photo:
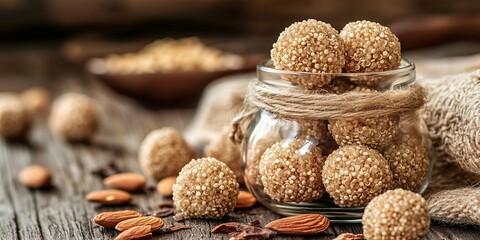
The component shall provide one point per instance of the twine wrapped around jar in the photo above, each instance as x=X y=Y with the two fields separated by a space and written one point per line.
x=298 y=103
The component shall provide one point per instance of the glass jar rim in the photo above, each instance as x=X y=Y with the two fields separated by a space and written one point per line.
x=405 y=67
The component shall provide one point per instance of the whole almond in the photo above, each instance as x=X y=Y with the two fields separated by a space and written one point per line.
x=304 y=224
x=35 y=176
x=349 y=236
x=109 y=197
x=245 y=200
x=165 y=186
x=126 y=181
x=111 y=219
x=154 y=222
x=138 y=232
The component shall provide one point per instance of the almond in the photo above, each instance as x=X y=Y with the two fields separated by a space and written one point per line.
x=154 y=222
x=349 y=236
x=304 y=224
x=35 y=176
x=126 y=181
x=111 y=219
x=165 y=186
x=245 y=200
x=109 y=197
x=138 y=232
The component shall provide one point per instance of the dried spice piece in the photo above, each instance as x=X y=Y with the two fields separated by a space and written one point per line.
x=350 y=236
x=111 y=219
x=309 y=46
x=291 y=171
x=396 y=214
x=35 y=176
x=35 y=99
x=74 y=116
x=105 y=170
x=176 y=228
x=164 y=212
x=205 y=188
x=370 y=47
x=234 y=226
x=14 y=117
x=166 y=204
x=303 y=224
x=409 y=162
x=241 y=231
x=164 y=152
x=126 y=181
x=223 y=149
x=355 y=174
x=253 y=233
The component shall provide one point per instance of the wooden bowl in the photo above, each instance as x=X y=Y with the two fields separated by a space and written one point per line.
x=166 y=87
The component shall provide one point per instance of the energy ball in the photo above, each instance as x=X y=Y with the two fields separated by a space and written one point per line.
x=36 y=99
x=339 y=86
x=314 y=129
x=14 y=117
x=396 y=214
x=226 y=151
x=355 y=174
x=370 y=47
x=163 y=153
x=409 y=162
x=291 y=171
x=254 y=155
x=309 y=46
x=74 y=116
x=205 y=188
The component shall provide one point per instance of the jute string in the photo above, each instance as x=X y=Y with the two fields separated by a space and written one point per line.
x=301 y=104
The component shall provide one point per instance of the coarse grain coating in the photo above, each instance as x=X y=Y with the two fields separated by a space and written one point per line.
x=339 y=86
x=375 y=132
x=396 y=214
x=370 y=47
x=74 y=116
x=164 y=152
x=309 y=46
x=409 y=162
x=221 y=148
x=291 y=171
x=355 y=174
x=205 y=188
x=14 y=117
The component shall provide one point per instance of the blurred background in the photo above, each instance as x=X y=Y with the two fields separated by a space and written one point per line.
x=71 y=32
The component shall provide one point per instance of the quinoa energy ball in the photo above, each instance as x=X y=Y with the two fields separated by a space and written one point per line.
x=163 y=153
x=370 y=47
x=14 y=116
x=74 y=116
x=396 y=214
x=291 y=171
x=309 y=46
x=409 y=162
x=355 y=174
x=221 y=148
x=205 y=188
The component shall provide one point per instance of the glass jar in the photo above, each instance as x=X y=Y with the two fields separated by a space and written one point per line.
x=334 y=166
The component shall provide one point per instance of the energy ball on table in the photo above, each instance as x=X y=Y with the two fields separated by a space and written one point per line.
x=396 y=214
x=291 y=171
x=355 y=174
x=370 y=47
x=205 y=188
x=226 y=151
x=14 y=116
x=309 y=46
x=74 y=116
x=409 y=162
x=164 y=152
x=35 y=99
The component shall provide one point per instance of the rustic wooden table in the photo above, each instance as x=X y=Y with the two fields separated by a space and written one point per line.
x=61 y=211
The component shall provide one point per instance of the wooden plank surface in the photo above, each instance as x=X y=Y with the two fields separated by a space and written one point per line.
x=61 y=212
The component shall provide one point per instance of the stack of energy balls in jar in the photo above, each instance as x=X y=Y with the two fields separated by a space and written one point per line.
x=352 y=159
